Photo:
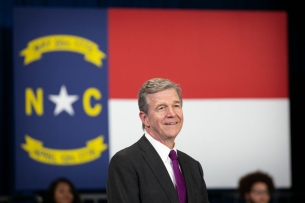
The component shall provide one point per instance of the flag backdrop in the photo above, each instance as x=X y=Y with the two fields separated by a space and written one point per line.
x=78 y=71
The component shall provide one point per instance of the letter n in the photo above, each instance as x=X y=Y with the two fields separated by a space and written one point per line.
x=35 y=101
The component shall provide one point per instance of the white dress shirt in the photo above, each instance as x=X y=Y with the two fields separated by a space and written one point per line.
x=163 y=152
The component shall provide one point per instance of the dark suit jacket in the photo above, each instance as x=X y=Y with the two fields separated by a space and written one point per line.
x=137 y=174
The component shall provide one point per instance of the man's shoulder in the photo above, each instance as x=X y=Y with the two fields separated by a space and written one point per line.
x=187 y=160
x=131 y=150
x=185 y=157
x=127 y=151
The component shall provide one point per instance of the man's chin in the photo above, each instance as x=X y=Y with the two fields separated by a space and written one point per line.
x=172 y=130
x=172 y=134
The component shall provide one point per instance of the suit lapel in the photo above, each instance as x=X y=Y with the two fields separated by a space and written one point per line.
x=157 y=166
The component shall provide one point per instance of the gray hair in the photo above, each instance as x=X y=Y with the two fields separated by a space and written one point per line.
x=152 y=86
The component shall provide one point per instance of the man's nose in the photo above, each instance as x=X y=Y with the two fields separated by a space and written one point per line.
x=171 y=112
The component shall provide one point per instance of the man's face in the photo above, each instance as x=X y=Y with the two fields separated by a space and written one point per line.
x=258 y=194
x=165 y=116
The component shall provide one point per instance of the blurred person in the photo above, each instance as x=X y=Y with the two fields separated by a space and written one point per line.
x=62 y=190
x=152 y=170
x=256 y=187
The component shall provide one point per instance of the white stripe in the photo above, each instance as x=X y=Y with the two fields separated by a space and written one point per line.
x=229 y=137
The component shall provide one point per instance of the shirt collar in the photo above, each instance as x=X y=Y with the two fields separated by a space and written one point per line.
x=162 y=150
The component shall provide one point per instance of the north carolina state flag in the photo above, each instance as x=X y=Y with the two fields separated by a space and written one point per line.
x=232 y=67
x=77 y=73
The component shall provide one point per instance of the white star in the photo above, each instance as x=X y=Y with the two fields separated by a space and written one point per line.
x=63 y=101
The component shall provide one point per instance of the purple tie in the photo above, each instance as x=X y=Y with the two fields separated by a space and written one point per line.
x=180 y=184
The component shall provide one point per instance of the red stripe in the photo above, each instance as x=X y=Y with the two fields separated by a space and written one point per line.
x=211 y=54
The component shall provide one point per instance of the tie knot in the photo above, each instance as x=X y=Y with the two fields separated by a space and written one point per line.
x=173 y=155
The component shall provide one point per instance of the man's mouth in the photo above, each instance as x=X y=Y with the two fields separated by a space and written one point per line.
x=171 y=123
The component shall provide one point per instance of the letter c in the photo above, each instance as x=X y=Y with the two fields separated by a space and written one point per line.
x=97 y=108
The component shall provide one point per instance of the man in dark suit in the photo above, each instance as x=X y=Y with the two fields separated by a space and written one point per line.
x=148 y=171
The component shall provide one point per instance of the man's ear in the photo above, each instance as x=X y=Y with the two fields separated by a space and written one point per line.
x=144 y=118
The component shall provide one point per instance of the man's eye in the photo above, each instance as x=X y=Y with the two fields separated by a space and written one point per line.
x=161 y=108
